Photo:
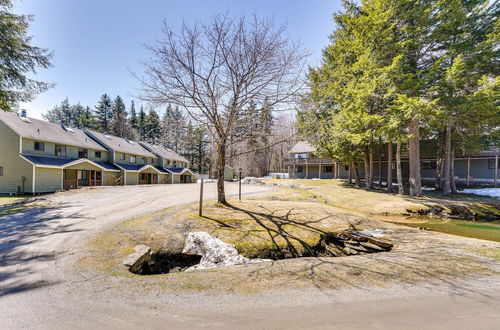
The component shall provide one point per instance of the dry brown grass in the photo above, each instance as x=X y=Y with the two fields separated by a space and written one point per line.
x=279 y=221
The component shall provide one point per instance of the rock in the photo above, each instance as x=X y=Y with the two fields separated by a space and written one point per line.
x=135 y=261
x=252 y=180
x=213 y=252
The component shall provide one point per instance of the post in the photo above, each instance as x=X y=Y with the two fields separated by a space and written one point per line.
x=307 y=170
x=319 y=170
x=201 y=199
x=239 y=188
x=496 y=169
x=468 y=171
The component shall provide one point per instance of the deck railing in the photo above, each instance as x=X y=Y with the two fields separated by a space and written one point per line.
x=309 y=161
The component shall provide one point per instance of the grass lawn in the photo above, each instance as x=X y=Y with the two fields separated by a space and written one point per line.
x=8 y=200
x=285 y=222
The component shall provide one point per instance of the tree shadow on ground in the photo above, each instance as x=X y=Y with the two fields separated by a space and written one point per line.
x=21 y=263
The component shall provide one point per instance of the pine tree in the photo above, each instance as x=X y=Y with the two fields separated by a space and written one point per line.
x=104 y=114
x=141 y=124
x=120 y=125
x=134 y=121
x=18 y=58
x=77 y=111
x=153 y=129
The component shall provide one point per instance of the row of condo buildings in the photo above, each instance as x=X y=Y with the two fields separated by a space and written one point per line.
x=469 y=168
x=38 y=157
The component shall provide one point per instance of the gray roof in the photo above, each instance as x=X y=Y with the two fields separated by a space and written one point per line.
x=41 y=130
x=122 y=145
x=164 y=152
x=301 y=147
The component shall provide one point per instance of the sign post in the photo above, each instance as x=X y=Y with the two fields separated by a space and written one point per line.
x=239 y=188
x=200 y=213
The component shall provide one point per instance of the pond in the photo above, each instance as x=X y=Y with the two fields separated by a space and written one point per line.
x=482 y=230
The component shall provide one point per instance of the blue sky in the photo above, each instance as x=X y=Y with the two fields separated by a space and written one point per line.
x=97 y=43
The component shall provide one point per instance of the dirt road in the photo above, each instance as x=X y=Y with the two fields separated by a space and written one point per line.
x=39 y=287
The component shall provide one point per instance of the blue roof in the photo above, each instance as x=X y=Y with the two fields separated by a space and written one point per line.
x=61 y=161
x=131 y=167
x=176 y=170
x=107 y=165
x=161 y=169
x=46 y=160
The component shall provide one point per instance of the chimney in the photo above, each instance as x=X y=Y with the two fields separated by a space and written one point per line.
x=24 y=113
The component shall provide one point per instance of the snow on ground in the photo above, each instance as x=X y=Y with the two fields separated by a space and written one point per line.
x=272 y=175
x=492 y=192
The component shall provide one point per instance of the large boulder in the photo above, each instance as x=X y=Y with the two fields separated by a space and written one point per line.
x=136 y=261
x=213 y=252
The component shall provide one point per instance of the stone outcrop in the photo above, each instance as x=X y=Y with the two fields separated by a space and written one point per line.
x=213 y=252
x=136 y=261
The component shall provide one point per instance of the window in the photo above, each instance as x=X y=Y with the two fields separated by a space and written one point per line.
x=429 y=165
x=39 y=146
x=122 y=156
x=1 y=170
x=132 y=159
x=82 y=153
x=300 y=169
x=491 y=164
x=98 y=154
x=174 y=164
x=152 y=160
x=82 y=175
x=60 y=150
x=328 y=169
x=301 y=155
x=144 y=160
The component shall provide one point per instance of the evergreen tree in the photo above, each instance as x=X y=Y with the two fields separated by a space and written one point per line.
x=88 y=119
x=119 y=125
x=153 y=129
x=18 y=58
x=104 y=114
x=134 y=121
x=141 y=124
x=77 y=111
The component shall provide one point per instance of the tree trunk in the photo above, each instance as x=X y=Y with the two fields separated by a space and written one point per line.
x=439 y=162
x=389 y=166
x=439 y=168
x=380 y=166
x=349 y=175
x=368 y=169
x=399 y=172
x=453 y=185
x=447 y=161
x=221 y=164
x=356 y=176
x=414 y=151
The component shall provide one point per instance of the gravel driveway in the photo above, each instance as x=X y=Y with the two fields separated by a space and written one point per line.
x=40 y=289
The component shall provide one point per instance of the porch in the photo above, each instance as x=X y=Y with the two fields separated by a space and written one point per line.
x=75 y=178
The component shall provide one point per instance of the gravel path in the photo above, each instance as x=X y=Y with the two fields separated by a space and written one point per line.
x=40 y=289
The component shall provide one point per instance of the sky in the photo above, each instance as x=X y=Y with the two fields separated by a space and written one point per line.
x=98 y=43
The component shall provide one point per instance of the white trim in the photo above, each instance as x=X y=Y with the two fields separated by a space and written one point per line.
x=20 y=144
x=62 y=179
x=83 y=160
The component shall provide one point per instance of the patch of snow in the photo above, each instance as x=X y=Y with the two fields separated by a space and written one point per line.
x=213 y=252
x=275 y=174
x=428 y=189
x=491 y=192
x=374 y=232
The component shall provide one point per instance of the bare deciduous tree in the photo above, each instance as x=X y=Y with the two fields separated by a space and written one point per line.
x=213 y=70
